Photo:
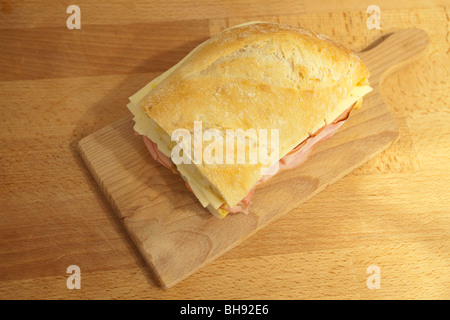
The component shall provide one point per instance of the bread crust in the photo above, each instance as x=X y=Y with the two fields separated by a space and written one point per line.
x=258 y=76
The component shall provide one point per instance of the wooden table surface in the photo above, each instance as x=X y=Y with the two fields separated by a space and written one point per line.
x=59 y=85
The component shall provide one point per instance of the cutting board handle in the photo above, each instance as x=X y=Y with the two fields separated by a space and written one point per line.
x=394 y=51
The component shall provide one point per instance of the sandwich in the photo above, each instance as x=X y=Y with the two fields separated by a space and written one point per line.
x=260 y=88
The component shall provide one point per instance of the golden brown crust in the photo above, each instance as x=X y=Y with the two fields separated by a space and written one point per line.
x=259 y=76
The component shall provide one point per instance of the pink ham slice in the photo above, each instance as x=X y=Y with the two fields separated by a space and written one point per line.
x=156 y=154
x=293 y=159
x=299 y=154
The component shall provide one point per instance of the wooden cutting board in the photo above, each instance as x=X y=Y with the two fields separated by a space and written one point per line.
x=176 y=235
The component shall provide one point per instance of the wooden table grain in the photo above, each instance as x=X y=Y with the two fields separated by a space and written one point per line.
x=59 y=85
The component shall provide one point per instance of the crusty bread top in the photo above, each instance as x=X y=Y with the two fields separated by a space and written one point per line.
x=260 y=76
